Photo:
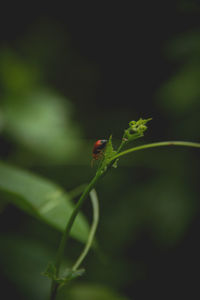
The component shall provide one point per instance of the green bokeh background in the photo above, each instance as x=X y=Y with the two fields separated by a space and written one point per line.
x=71 y=76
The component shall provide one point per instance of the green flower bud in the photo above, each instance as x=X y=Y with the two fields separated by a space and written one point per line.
x=136 y=129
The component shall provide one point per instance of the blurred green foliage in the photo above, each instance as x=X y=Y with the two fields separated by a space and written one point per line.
x=90 y=292
x=55 y=102
x=41 y=199
x=22 y=261
x=35 y=116
x=180 y=95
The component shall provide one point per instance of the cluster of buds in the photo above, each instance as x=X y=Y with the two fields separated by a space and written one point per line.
x=136 y=129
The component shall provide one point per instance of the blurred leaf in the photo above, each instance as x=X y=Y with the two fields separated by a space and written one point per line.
x=184 y=47
x=36 y=117
x=182 y=92
x=169 y=209
x=41 y=121
x=40 y=198
x=90 y=292
x=162 y=201
x=16 y=74
x=22 y=261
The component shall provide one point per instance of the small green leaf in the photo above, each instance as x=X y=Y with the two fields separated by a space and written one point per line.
x=50 y=271
x=109 y=151
x=65 y=277
x=108 y=154
x=72 y=274
x=40 y=198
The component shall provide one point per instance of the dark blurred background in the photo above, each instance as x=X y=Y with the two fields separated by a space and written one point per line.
x=71 y=75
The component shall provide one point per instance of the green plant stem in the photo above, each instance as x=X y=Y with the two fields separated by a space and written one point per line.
x=123 y=143
x=95 y=206
x=90 y=186
x=77 y=191
x=65 y=237
x=153 y=145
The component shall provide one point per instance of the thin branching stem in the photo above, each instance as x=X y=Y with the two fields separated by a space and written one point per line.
x=95 y=206
x=65 y=237
x=153 y=145
x=91 y=185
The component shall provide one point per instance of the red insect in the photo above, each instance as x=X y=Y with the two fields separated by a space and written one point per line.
x=98 y=148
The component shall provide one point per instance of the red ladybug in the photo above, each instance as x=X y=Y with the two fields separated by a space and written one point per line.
x=98 y=148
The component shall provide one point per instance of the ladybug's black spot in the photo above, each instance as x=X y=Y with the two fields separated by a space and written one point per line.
x=103 y=144
x=100 y=147
x=96 y=151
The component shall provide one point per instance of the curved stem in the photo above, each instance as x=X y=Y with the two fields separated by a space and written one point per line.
x=158 y=144
x=60 y=253
x=95 y=206
x=65 y=237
